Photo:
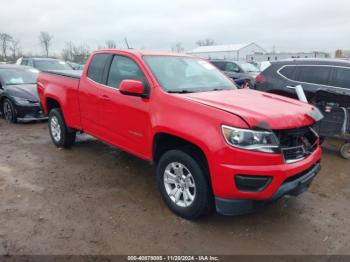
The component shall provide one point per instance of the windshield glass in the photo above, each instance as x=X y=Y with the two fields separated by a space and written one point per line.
x=47 y=65
x=186 y=74
x=15 y=76
x=247 y=67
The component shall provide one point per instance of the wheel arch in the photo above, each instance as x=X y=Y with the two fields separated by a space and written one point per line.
x=51 y=103
x=2 y=99
x=163 y=142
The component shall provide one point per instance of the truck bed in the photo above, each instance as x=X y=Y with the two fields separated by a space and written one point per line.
x=66 y=84
x=68 y=73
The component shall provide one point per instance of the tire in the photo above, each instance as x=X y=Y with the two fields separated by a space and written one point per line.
x=60 y=134
x=189 y=197
x=9 y=111
x=345 y=151
x=322 y=140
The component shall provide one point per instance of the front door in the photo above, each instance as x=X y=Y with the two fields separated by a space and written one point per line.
x=124 y=120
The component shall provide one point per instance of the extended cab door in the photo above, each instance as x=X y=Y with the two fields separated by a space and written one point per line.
x=88 y=93
x=124 y=119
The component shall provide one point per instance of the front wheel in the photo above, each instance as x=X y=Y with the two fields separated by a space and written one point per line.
x=9 y=111
x=183 y=185
x=60 y=134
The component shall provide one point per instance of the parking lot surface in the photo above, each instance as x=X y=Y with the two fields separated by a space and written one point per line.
x=95 y=199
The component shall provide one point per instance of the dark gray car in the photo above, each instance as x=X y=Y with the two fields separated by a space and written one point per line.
x=237 y=70
x=314 y=75
x=19 y=98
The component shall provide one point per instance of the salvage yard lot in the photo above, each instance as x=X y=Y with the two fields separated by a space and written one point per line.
x=95 y=199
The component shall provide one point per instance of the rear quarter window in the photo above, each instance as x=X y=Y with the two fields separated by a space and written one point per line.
x=313 y=74
x=97 y=66
x=341 y=77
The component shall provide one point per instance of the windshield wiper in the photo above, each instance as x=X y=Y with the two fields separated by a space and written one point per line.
x=184 y=91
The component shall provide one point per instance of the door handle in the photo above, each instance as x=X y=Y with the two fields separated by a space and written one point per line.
x=105 y=97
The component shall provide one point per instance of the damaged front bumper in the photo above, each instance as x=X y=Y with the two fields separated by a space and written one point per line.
x=293 y=186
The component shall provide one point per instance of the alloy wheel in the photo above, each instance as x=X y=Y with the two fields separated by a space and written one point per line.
x=179 y=184
x=55 y=129
x=8 y=112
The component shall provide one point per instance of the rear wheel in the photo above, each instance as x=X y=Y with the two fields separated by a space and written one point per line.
x=345 y=151
x=9 y=111
x=60 y=134
x=183 y=185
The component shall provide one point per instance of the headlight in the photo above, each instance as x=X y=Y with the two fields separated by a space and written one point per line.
x=262 y=141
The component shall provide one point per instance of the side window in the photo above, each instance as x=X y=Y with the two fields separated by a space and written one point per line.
x=97 y=66
x=231 y=67
x=220 y=65
x=341 y=77
x=288 y=72
x=313 y=74
x=123 y=68
x=24 y=62
x=30 y=63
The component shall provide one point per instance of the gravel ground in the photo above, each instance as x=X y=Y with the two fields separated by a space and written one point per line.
x=95 y=199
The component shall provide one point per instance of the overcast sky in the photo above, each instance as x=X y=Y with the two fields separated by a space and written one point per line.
x=289 y=25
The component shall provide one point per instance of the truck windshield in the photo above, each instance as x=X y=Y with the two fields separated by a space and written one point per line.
x=178 y=74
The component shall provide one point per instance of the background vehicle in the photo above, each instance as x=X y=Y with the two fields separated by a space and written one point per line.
x=44 y=64
x=211 y=143
x=237 y=70
x=326 y=84
x=336 y=123
x=263 y=65
x=313 y=74
x=18 y=93
x=75 y=66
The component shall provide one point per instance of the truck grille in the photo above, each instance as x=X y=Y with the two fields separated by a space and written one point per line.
x=297 y=144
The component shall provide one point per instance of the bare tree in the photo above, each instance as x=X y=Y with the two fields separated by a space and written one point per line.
x=81 y=53
x=73 y=53
x=45 y=41
x=110 y=44
x=14 y=47
x=68 y=51
x=178 y=48
x=5 y=40
x=206 y=42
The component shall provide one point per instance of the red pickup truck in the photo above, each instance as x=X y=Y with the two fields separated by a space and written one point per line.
x=213 y=145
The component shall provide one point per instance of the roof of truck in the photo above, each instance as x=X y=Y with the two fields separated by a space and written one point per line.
x=141 y=52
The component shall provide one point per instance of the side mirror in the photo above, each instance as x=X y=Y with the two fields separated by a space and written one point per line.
x=132 y=88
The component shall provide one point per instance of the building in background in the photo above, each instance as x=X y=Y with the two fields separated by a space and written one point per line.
x=260 y=56
x=236 y=52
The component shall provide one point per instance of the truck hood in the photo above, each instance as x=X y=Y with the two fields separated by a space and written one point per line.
x=260 y=110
